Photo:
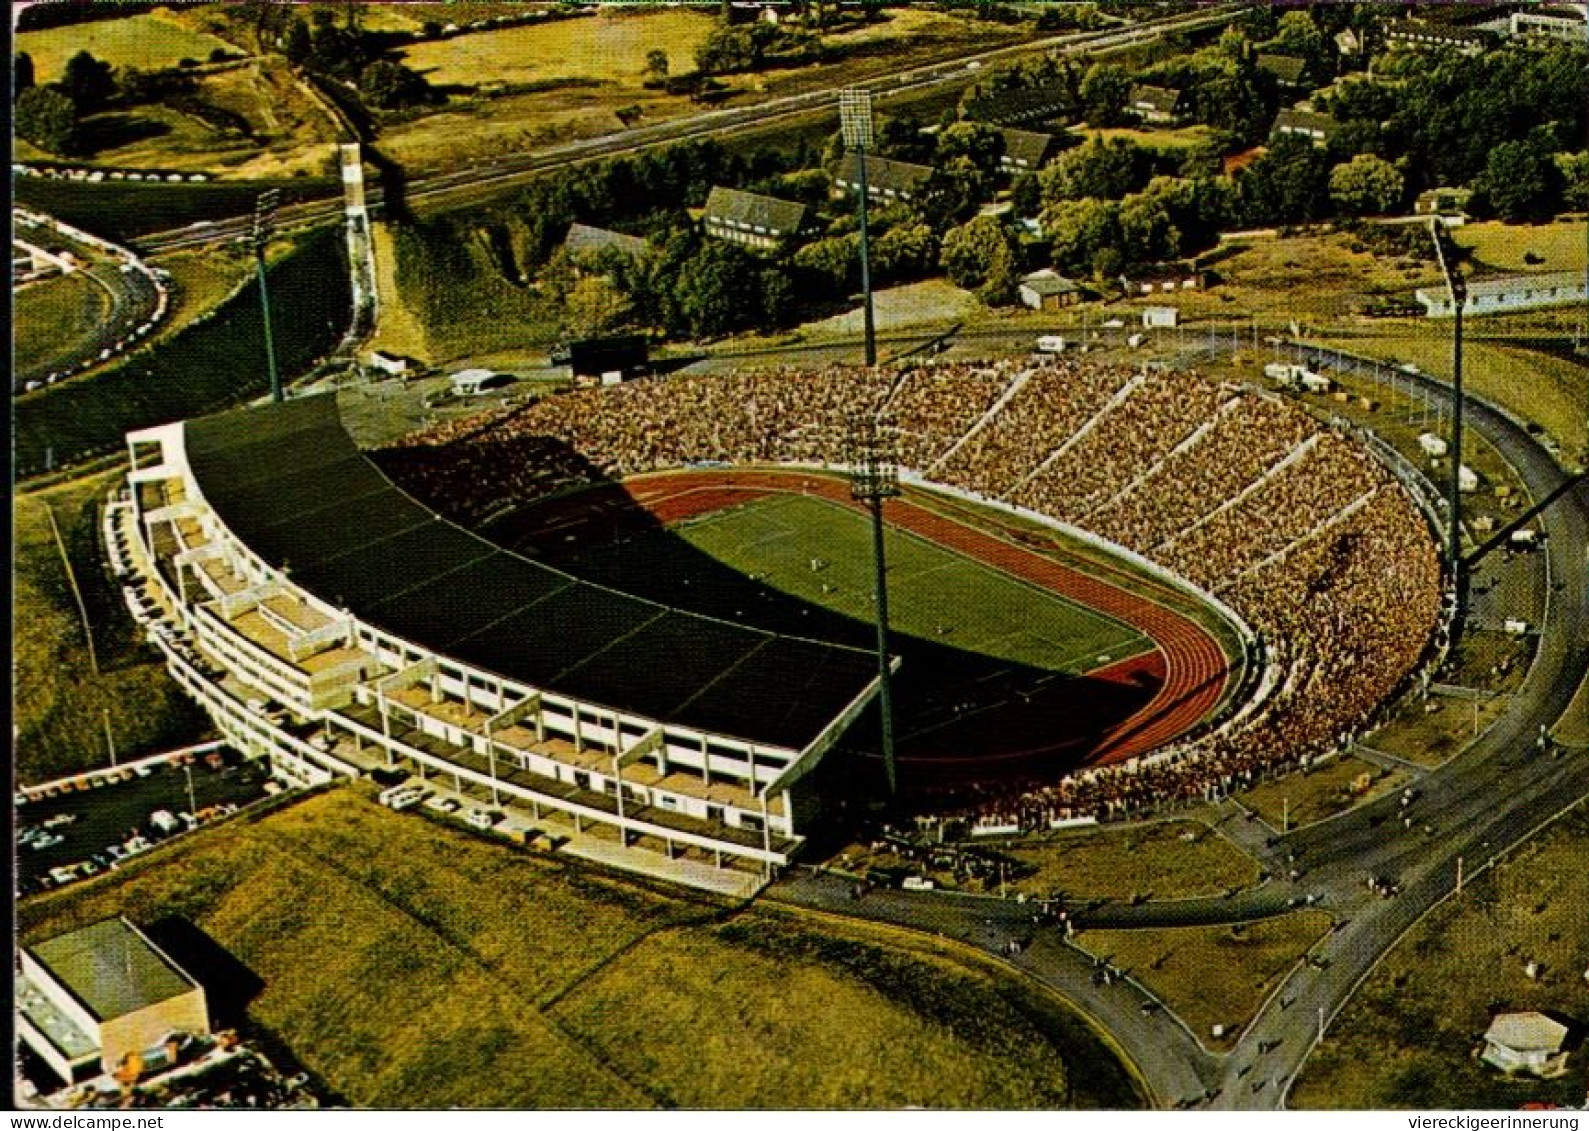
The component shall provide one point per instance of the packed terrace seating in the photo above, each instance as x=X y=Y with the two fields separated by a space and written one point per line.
x=1247 y=496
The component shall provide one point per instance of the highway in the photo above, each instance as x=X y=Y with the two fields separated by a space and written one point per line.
x=481 y=179
x=1486 y=799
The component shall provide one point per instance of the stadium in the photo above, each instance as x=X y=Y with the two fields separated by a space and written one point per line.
x=636 y=619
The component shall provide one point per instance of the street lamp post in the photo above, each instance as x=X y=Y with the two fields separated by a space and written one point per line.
x=264 y=225
x=855 y=124
x=1457 y=291
x=874 y=476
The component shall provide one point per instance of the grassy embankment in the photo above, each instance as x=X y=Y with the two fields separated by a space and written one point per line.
x=428 y=968
x=52 y=316
x=1407 y=1038
x=60 y=701
x=216 y=362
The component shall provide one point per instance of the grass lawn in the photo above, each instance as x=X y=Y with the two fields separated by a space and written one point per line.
x=1548 y=390
x=524 y=983
x=1164 y=141
x=201 y=281
x=52 y=316
x=212 y=364
x=147 y=42
x=1212 y=975
x=1430 y=732
x=400 y=330
x=1559 y=246
x=1161 y=860
x=935 y=302
x=1321 y=791
x=934 y=593
x=60 y=703
x=607 y=48
x=1406 y=1039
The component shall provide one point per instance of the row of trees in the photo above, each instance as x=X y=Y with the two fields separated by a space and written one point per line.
x=49 y=115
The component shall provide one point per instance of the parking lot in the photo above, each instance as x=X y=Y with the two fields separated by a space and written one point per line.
x=87 y=830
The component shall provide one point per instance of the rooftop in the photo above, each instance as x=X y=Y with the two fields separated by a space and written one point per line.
x=737 y=207
x=1050 y=282
x=1526 y=1032
x=583 y=241
x=884 y=174
x=112 y=968
x=1027 y=147
x=1160 y=98
x=1287 y=68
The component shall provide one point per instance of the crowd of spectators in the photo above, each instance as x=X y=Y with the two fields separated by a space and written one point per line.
x=1295 y=527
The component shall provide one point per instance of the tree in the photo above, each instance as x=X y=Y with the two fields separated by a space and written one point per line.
x=1519 y=182
x=727 y=49
x=656 y=66
x=388 y=86
x=594 y=305
x=1080 y=232
x=976 y=142
x=951 y=194
x=1147 y=231
x=982 y=255
x=89 y=82
x=21 y=73
x=297 y=44
x=904 y=251
x=1287 y=185
x=47 y=118
x=1105 y=90
x=711 y=292
x=1106 y=169
x=1574 y=169
x=1366 y=185
x=831 y=265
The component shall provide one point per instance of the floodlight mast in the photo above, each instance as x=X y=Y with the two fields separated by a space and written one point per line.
x=855 y=124
x=874 y=476
x=1457 y=291
x=264 y=225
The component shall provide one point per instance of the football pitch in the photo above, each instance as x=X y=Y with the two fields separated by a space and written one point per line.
x=820 y=552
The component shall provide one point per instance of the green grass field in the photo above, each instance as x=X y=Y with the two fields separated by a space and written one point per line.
x=1406 y=1038
x=61 y=703
x=52 y=316
x=410 y=964
x=934 y=593
x=1318 y=792
x=147 y=42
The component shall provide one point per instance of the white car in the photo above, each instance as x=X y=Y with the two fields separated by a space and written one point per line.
x=441 y=804
x=481 y=818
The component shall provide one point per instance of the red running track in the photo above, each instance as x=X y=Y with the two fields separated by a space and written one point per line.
x=1195 y=668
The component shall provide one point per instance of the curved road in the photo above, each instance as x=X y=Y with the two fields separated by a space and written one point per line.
x=1475 y=807
x=131 y=292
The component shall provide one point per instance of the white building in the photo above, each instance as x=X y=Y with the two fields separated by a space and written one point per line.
x=1526 y=1042
x=1512 y=292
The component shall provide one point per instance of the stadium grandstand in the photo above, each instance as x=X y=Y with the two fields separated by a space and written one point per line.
x=382 y=632
x=310 y=586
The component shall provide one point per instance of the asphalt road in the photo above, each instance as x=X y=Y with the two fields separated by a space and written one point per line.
x=1476 y=806
x=131 y=295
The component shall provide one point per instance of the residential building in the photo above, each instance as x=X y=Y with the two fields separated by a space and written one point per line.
x=88 y=999
x=1026 y=151
x=584 y=242
x=1568 y=22
x=1163 y=278
x=1019 y=107
x=1156 y=105
x=1442 y=202
x=1288 y=71
x=1316 y=127
x=764 y=223
x=886 y=179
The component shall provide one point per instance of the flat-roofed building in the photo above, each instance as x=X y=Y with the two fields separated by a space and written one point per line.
x=1510 y=292
x=752 y=220
x=1567 y=22
x=89 y=998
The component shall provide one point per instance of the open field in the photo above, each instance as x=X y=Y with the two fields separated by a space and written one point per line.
x=934 y=593
x=1322 y=790
x=609 y=48
x=1406 y=1038
x=1164 y=140
x=1212 y=975
x=526 y=983
x=60 y=702
x=52 y=315
x=214 y=363
x=1161 y=860
x=1558 y=246
x=935 y=303
x=148 y=42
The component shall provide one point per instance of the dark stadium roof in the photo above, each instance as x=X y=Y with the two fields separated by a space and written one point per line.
x=289 y=482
